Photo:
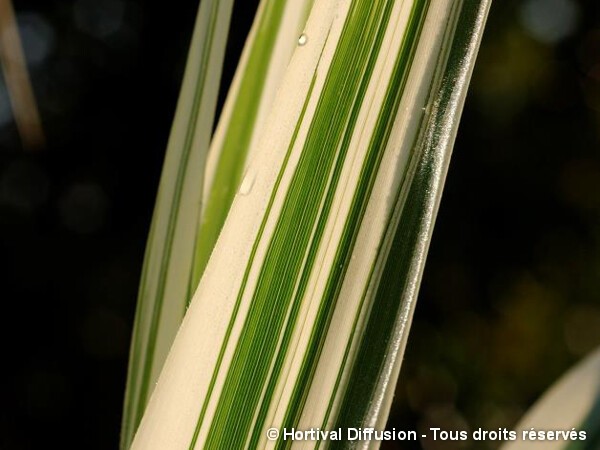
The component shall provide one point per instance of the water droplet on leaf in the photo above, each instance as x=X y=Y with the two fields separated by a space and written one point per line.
x=247 y=184
x=303 y=39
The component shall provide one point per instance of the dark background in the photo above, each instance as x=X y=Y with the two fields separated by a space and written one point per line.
x=510 y=296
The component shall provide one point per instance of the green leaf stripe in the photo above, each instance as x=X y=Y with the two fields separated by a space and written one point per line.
x=302 y=314
x=410 y=228
x=144 y=361
x=280 y=287
x=374 y=154
x=239 y=131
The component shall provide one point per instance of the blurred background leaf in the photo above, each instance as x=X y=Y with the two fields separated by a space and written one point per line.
x=510 y=297
x=16 y=78
x=571 y=403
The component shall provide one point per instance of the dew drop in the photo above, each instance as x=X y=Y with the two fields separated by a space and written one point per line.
x=302 y=40
x=247 y=184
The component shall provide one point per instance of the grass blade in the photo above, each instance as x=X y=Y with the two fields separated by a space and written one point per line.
x=273 y=332
x=260 y=71
x=397 y=276
x=266 y=55
x=14 y=68
x=573 y=403
x=163 y=293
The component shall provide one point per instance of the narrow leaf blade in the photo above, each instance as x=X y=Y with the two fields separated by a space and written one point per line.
x=163 y=295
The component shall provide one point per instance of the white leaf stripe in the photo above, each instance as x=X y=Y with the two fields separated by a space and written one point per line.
x=164 y=277
x=303 y=209
x=290 y=286
x=573 y=402
x=272 y=39
x=168 y=264
x=375 y=372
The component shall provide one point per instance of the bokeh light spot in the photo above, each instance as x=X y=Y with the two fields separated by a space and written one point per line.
x=37 y=36
x=83 y=208
x=99 y=19
x=549 y=21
